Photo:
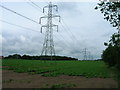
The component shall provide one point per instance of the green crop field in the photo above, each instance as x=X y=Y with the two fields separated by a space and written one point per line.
x=55 y=68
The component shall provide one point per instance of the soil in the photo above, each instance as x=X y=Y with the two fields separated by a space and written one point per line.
x=12 y=79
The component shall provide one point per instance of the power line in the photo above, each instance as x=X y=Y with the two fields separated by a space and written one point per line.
x=63 y=43
x=25 y=17
x=25 y=28
x=69 y=44
x=44 y=13
x=67 y=28
x=64 y=28
x=18 y=25
x=18 y=14
x=36 y=7
x=35 y=4
x=48 y=45
x=73 y=38
x=22 y=15
x=64 y=40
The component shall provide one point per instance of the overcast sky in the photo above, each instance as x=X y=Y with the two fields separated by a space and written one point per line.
x=81 y=27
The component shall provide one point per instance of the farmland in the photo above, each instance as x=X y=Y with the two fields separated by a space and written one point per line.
x=55 y=68
x=56 y=74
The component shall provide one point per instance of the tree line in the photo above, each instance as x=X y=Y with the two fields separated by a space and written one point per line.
x=27 y=57
x=111 y=12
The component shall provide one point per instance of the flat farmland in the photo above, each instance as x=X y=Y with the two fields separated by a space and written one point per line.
x=56 y=74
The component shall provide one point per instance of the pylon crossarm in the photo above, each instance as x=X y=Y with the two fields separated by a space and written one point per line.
x=42 y=27
x=55 y=26
x=44 y=8
x=41 y=18
x=56 y=16
x=55 y=6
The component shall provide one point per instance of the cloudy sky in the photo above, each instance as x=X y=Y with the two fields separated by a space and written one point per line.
x=81 y=27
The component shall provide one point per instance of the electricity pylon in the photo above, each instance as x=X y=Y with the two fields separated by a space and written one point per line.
x=48 y=45
x=85 y=54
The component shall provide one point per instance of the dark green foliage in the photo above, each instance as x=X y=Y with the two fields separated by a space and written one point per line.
x=110 y=11
x=27 y=57
x=111 y=55
x=15 y=56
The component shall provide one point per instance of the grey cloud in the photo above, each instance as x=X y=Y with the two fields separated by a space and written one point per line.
x=85 y=24
x=67 y=6
x=21 y=43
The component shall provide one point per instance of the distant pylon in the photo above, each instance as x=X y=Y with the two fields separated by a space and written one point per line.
x=48 y=45
x=85 y=54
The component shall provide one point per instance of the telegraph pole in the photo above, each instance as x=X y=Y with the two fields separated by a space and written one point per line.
x=48 y=45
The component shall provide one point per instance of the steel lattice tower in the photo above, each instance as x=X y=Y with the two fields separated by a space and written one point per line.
x=48 y=45
x=85 y=54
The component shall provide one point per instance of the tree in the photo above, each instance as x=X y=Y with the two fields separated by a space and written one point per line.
x=14 y=56
x=111 y=55
x=111 y=11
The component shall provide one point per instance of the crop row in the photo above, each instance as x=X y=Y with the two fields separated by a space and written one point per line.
x=55 y=68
